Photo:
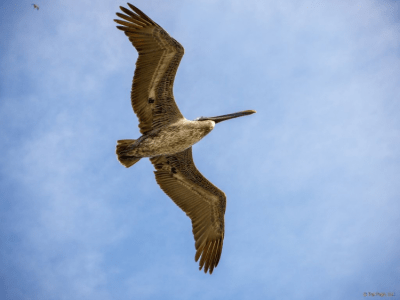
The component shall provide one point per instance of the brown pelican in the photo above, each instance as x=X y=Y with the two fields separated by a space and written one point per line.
x=35 y=6
x=167 y=137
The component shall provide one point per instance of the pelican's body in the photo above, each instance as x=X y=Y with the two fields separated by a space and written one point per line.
x=35 y=6
x=171 y=139
x=167 y=136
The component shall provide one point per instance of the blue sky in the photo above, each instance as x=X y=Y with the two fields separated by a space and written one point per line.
x=311 y=179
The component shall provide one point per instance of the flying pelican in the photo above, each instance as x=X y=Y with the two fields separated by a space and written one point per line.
x=35 y=6
x=167 y=137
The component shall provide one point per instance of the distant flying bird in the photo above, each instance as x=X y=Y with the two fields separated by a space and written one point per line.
x=167 y=137
x=35 y=6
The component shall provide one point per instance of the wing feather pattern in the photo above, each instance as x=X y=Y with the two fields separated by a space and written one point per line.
x=202 y=202
x=159 y=57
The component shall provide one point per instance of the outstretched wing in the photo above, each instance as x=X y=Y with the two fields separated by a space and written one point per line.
x=202 y=201
x=159 y=57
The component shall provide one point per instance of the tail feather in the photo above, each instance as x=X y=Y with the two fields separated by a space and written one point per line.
x=123 y=146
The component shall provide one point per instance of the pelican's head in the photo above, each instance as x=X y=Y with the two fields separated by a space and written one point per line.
x=218 y=119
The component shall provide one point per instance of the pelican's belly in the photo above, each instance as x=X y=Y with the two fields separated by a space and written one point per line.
x=174 y=138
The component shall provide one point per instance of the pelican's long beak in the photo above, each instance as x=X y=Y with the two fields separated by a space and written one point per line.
x=218 y=119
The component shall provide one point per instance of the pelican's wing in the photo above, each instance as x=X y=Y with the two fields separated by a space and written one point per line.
x=159 y=57
x=202 y=201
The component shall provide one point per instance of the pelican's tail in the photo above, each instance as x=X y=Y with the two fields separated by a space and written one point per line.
x=123 y=146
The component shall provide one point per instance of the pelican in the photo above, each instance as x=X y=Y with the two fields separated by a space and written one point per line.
x=167 y=136
x=35 y=6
